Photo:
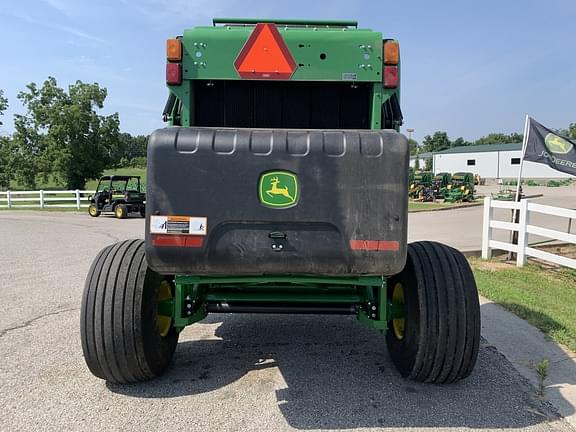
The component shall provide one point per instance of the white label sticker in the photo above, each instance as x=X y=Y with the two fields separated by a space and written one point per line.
x=158 y=224
x=198 y=225
x=178 y=225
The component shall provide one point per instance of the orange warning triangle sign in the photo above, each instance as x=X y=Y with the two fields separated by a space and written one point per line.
x=265 y=55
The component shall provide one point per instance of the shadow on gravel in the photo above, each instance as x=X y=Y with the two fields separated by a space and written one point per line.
x=338 y=376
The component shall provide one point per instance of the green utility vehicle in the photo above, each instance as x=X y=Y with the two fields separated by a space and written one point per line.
x=440 y=184
x=117 y=194
x=461 y=188
x=420 y=182
x=279 y=187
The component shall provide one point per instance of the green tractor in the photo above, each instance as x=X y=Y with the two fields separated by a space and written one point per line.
x=279 y=187
x=461 y=188
x=119 y=195
x=420 y=183
x=440 y=184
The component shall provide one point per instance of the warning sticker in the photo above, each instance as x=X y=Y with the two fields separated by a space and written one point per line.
x=178 y=225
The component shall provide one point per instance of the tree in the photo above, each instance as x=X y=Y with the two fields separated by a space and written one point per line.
x=3 y=104
x=62 y=135
x=435 y=143
x=572 y=130
x=413 y=146
x=500 y=138
x=4 y=148
x=459 y=142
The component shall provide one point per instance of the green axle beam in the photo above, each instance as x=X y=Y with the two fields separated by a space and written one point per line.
x=367 y=293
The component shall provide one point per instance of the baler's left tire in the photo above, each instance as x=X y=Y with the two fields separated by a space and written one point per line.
x=124 y=339
x=438 y=339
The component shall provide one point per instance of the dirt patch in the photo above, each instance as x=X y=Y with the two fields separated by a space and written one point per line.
x=493 y=265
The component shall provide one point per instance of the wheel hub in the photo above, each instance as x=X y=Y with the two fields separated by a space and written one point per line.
x=163 y=321
x=398 y=299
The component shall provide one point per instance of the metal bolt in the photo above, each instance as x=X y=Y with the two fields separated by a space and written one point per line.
x=189 y=313
x=373 y=307
x=188 y=306
x=188 y=298
x=373 y=315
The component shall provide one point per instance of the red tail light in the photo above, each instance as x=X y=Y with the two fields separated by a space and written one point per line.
x=173 y=74
x=390 y=76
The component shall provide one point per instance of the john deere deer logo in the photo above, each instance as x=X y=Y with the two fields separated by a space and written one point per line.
x=278 y=189
x=557 y=144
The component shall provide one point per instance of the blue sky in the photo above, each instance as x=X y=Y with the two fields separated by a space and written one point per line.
x=469 y=68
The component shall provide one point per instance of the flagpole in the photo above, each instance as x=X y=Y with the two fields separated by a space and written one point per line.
x=524 y=145
x=514 y=234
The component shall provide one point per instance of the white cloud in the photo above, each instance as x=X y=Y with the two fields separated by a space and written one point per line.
x=60 y=5
x=189 y=10
x=61 y=28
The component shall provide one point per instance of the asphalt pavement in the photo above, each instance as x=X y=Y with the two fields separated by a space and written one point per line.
x=230 y=372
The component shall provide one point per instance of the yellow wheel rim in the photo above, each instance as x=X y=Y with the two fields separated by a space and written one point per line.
x=164 y=322
x=398 y=323
x=92 y=210
x=119 y=212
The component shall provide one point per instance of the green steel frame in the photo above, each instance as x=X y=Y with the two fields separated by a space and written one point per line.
x=367 y=293
x=324 y=51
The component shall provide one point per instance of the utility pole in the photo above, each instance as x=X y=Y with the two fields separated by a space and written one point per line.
x=410 y=130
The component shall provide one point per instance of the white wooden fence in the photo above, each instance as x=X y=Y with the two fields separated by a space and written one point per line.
x=45 y=199
x=524 y=228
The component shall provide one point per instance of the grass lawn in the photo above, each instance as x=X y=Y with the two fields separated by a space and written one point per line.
x=542 y=295
x=430 y=206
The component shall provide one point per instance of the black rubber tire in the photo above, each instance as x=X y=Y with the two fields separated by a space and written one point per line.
x=124 y=210
x=120 y=340
x=442 y=315
x=93 y=210
x=143 y=212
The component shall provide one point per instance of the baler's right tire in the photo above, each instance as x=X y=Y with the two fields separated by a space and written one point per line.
x=124 y=338
x=438 y=338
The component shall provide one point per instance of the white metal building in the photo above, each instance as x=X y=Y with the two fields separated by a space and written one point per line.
x=422 y=158
x=491 y=161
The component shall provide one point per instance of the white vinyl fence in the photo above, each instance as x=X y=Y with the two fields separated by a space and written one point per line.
x=524 y=228
x=45 y=199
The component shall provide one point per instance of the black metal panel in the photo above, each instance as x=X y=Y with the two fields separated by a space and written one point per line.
x=281 y=104
x=353 y=186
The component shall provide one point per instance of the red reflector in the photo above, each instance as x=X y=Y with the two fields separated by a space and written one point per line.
x=177 y=240
x=390 y=76
x=375 y=245
x=173 y=74
x=265 y=55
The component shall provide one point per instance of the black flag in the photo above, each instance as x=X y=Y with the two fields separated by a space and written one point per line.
x=547 y=147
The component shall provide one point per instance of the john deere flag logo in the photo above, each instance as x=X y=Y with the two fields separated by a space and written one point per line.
x=278 y=189
x=547 y=147
x=557 y=144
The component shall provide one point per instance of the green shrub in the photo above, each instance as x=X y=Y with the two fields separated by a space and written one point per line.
x=138 y=162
